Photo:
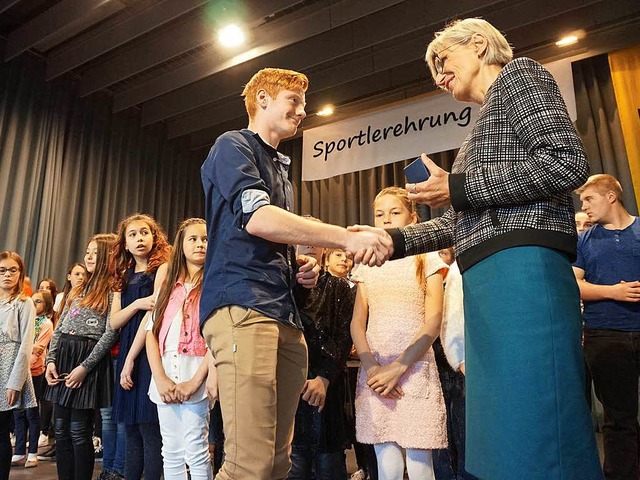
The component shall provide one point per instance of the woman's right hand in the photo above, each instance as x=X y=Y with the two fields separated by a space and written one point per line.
x=12 y=396
x=51 y=374
x=146 y=303
x=126 y=381
x=374 y=367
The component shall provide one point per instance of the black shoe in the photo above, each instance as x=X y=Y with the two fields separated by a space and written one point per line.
x=48 y=455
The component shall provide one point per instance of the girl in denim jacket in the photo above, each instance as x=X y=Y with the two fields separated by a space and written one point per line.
x=179 y=359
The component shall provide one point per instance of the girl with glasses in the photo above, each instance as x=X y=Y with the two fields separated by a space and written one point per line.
x=17 y=324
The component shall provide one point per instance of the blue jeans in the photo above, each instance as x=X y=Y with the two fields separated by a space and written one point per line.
x=325 y=466
x=144 y=452
x=113 y=443
x=22 y=418
x=449 y=463
x=30 y=417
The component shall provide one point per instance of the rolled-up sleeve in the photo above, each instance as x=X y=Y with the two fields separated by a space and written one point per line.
x=253 y=199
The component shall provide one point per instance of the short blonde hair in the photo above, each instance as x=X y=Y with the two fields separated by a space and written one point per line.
x=273 y=81
x=603 y=183
x=499 y=52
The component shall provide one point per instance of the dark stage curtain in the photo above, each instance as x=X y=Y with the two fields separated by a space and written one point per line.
x=70 y=169
x=599 y=124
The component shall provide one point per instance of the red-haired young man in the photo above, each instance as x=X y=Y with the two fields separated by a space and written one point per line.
x=247 y=310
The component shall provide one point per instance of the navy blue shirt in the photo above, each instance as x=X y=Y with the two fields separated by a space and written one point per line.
x=241 y=174
x=607 y=257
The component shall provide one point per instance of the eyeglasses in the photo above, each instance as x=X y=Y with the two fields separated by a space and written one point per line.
x=12 y=271
x=439 y=62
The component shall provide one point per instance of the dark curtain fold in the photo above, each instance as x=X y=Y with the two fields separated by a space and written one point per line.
x=71 y=169
x=599 y=124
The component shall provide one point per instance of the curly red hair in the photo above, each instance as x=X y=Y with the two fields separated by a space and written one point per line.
x=120 y=259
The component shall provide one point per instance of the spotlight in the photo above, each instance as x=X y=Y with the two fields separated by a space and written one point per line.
x=565 y=41
x=231 y=36
x=326 y=111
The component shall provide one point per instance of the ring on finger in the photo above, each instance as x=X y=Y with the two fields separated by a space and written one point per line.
x=414 y=189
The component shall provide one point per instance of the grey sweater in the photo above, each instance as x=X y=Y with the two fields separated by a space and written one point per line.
x=17 y=324
x=84 y=322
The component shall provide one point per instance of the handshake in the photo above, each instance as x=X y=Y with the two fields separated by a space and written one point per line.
x=369 y=245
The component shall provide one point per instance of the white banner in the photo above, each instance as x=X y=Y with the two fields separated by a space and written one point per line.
x=431 y=124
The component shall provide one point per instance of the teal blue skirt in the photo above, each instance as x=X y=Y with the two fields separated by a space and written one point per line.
x=527 y=415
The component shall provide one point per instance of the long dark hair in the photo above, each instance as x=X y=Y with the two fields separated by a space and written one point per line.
x=97 y=288
x=177 y=270
x=53 y=289
x=67 y=283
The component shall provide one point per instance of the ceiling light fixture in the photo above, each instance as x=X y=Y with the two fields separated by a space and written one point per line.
x=231 y=36
x=565 y=41
x=326 y=111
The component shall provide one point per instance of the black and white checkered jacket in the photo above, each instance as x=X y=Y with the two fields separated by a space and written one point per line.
x=512 y=180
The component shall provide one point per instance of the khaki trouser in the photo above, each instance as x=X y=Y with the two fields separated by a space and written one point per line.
x=262 y=367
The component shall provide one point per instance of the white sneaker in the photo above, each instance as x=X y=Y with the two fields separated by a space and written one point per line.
x=359 y=475
x=18 y=459
x=43 y=440
x=32 y=461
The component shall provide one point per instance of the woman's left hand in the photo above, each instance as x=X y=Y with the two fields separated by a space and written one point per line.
x=185 y=390
x=434 y=191
x=385 y=379
x=76 y=377
x=12 y=396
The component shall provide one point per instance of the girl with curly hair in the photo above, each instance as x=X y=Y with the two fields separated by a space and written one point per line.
x=141 y=247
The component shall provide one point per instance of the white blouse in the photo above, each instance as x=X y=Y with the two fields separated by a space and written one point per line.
x=179 y=368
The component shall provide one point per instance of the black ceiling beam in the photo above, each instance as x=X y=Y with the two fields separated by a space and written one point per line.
x=94 y=44
x=306 y=23
x=7 y=4
x=190 y=33
x=47 y=24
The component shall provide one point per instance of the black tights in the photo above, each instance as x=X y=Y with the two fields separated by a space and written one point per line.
x=74 y=443
x=5 y=444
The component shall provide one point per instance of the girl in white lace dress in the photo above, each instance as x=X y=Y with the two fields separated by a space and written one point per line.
x=397 y=316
